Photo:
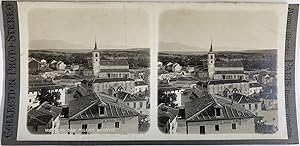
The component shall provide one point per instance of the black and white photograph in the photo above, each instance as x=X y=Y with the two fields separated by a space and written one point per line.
x=88 y=71
x=218 y=71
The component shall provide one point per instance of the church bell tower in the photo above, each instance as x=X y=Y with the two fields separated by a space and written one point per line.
x=211 y=62
x=96 y=60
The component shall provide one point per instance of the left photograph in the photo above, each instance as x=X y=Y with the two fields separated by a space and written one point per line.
x=88 y=70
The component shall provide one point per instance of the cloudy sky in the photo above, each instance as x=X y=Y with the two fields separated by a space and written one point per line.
x=70 y=28
x=231 y=27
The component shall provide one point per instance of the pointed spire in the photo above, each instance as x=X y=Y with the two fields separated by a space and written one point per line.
x=211 y=47
x=95 y=48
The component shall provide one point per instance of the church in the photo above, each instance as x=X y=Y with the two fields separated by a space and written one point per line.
x=110 y=76
x=116 y=68
x=224 y=78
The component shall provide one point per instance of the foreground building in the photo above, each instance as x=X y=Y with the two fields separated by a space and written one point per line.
x=211 y=114
x=43 y=119
x=99 y=113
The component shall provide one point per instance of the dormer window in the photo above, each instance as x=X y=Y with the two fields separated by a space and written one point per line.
x=101 y=110
x=218 y=112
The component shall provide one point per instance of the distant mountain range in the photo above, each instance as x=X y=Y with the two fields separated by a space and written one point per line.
x=62 y=46
x=182 y=47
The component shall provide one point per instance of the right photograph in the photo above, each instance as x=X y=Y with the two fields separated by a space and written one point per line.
x=217 y=70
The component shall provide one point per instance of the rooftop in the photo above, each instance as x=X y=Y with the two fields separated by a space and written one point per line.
x=86 y=107
x=42 y=114
x=228 y=64
x=114 y=70
x=254 y=85
x=120 y=62
x=202 y=109
x=214 y=82
x=111 y=80
x=230 y=72
x=140 y=83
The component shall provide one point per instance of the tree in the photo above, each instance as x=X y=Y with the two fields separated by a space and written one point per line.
x=52 y=98
x=167 y=99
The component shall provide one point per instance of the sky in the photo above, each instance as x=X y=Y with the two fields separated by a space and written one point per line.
x=235 y=28
x=70 y=28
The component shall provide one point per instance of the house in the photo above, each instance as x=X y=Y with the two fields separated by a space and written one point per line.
x=167 y=119
x=141 y=86
x=159 y=64
x=60 y=65
x=168 y=89
x=176 y=67
x=98 y=113
x=213 y=114
x=112 y=85
x=135 y=102
x=249 y=103
x=43 y=119
x=254 y=88
x=34 y=65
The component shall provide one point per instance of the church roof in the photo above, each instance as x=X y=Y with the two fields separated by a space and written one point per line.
x=119 y=62
x=213 y=82
x=114 y=70
x=228 y=64
x=202 y=109
x=86 y=107
x=111 y=80
x=230 y=72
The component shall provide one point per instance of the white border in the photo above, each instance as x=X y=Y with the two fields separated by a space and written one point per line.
x=153 y=133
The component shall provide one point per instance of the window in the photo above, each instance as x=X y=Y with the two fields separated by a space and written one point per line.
x=243 y=106
x=233 y=126
x=249 y=106
x=223 y=76
x=217 y=127
x=141 y=104
x=29 y=100
x=134 y=105
x=256 y=106
x=84 y=128
x=128 y=104
x=218 y=112
x=96 y=55
x=99 y=125
x=202 y=129
x=101 y=110
x=211 y=57
x=117 y=125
